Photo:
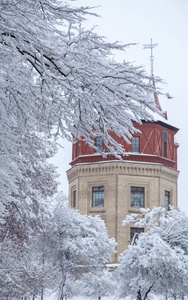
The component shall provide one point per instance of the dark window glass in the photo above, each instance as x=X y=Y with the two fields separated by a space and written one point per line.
x=167 y=200
x=137 y=196
x=164 y=148
x=165 y=136
x=98 y=196
x=135 y=144
x=134 y=232
x=74 y=199
x=165 y=140
x=99 y=144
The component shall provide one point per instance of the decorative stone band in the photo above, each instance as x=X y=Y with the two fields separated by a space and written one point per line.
x=122 y=167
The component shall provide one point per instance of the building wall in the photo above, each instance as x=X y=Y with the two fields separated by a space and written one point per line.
x=151 y=147
x=117 y=177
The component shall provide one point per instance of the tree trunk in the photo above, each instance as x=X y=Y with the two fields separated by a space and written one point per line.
x=139 y=297
x=148 y=291
x=42 y=287
x=61 y=295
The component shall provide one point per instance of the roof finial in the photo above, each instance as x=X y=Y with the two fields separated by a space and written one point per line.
x=151 y=46
x=157 y=103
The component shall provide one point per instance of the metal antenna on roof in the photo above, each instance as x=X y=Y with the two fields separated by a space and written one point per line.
x=151 y=46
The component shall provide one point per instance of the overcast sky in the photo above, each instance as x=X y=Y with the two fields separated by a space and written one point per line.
x=137 y=21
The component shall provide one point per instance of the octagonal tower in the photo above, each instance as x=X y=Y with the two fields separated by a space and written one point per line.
x=146 y=177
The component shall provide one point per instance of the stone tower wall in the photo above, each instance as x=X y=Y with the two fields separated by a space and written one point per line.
x=118 y=177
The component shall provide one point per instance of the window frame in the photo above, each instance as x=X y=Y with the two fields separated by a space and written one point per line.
x=98 y=144
x=98 y=196
x=135 y=190
x=134 y=235
x=136 y=144
x=74 y=199
x=167 y=198
x=165 y=141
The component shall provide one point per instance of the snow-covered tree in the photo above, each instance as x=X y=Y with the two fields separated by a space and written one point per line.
x=157 y=262
x=96 y=285
x=74 y=244
x=24 y=200
x=172 y=225
x=64 y=72
x=32 y=180
x=57 y=79
x=151 y=265
x=22 y=271
x=68 y=246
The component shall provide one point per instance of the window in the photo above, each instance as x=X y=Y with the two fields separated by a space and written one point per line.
x=99 y=144
x=74 y=199
x=135 y=144
x=98 y=196
x=165 y=140
x=137 y=196
x=167 y=200
x=134 y=232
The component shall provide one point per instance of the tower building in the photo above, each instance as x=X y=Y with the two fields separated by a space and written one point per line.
x=145 y=177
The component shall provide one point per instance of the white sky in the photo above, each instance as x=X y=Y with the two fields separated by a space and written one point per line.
x=137 y=21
